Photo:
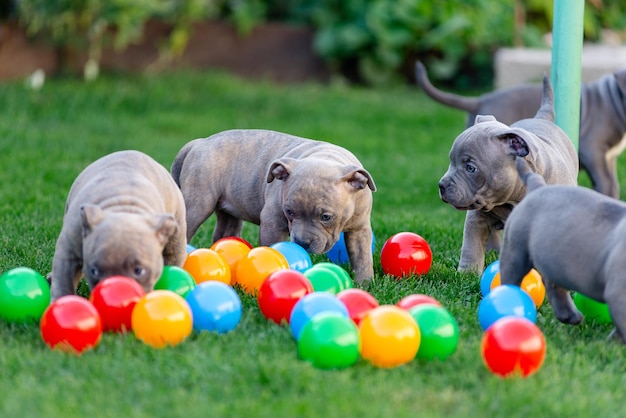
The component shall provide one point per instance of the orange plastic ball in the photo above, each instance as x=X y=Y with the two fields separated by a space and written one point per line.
x=162 y=318
x=232 y=250
x=256 y=266
x=390 y=336
x=531 y=283
x=205 y=264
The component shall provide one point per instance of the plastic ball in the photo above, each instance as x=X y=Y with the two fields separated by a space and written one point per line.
x=592 y=309
x=486 y=279
x=72 y=324
x=439 y=331
x=324 y=280
x=256 y=266
x=162 y=318
x=513 y=346
x=390 y=336
x=176 y=279
x=532 y=284
x=505 y=300
x=205 y=264
x=190 y=248
x=309 y=306
x=338 y=254
x=358 y=302
x=24 y=295
x=416 y=299
x=243 y=241
x=280 y=292
x=297 y=257
x=215 y=306
x=405 y=254
x=115 y=298
x=346 y=280
x=329 y=341
x=232 y=249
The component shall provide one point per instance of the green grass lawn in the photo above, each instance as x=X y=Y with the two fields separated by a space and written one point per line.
x=401 y=137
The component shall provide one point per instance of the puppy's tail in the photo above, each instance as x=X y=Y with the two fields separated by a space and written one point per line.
x=546 y=111
x=469 y=104
x=177 y=165
x=531 y=179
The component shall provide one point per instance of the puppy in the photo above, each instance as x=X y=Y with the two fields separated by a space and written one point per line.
x=575 y=238
x=124 y=216
x=482 y=179
x=293 y=187
x=602 y=119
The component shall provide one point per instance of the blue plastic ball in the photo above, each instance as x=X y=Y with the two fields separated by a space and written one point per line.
x=338 y=254
x=190 y=248
x=311 y=305
x=215 y=307
x=487 y=277
x=505 y=300
x=297 y=257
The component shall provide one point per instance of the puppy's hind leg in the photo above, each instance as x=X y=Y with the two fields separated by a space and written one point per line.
x=227 y=226
x=615 y=298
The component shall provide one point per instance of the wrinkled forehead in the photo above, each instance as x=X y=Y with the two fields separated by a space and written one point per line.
x=473 y=137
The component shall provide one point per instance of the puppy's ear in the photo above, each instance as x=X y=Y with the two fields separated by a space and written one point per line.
x=90 y=217
x=620 y=78
x=484 y=118
x=280 y=169
x=358 y=178
x=516 y=144
x=164 y=226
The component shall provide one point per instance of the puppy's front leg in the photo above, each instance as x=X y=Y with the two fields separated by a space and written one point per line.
x=475 y=236
x=66 y=273
x=273 y=227
x=359 y=246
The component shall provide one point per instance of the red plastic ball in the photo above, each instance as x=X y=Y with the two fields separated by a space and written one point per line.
x=71 y=323
x=405 y=254
x=513 y=346
x=115 y=298
x=280 y=292
x=359 y=303
x=416 y=299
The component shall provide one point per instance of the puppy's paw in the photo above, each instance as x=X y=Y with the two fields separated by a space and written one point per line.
x=569 y=316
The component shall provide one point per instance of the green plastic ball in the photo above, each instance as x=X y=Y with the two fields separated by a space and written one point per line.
x=24 y=295
x=439 y=331
x=592 y=309
x=176 y=279
x=330 y=341
x=324 y=280
x=346 y=280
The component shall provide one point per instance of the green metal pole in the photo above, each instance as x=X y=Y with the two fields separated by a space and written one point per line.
x=567 y=38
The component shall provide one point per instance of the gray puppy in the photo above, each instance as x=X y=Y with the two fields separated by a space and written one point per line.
x=482 y=178
x=574 y=237
x=602 y=119
x=124 y=216
x=293 y=187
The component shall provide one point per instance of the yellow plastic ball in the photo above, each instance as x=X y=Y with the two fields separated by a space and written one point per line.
x=253 y=268
x=162 y=318
x=205 y=264
x=390 y=336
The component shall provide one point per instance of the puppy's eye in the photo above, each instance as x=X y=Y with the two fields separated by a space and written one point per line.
x=289 y=213
x=326 y=217
x=95 y=273
x=470 y=168
x=139 y=271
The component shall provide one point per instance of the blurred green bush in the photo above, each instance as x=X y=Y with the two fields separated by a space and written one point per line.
x=368 y=41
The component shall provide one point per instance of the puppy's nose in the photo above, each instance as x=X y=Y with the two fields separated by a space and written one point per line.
x=442 y=188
